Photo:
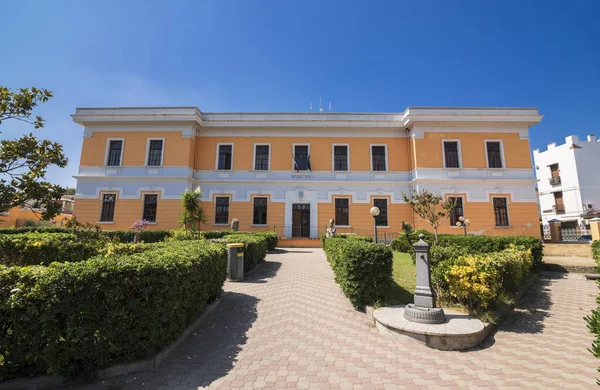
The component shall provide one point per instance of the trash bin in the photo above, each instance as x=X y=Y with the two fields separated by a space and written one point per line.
x=235 y=262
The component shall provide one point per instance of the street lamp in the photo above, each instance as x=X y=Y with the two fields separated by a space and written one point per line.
x=375 y=212
x=463 y=223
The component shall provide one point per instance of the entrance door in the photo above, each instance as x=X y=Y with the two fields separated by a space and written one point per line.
x=300 y=220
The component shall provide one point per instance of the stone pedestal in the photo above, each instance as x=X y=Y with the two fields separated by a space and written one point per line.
x=423 y=310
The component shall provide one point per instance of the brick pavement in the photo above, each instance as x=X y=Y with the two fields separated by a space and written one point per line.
x=289 y=326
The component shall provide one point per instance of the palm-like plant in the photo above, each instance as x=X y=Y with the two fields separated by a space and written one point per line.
x=193 y=214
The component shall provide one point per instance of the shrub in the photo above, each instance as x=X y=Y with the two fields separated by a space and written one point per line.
x=477 y=281
x=362 y=269
x=596 y=250
x=112 y=249
x=147 y=236
x=404 y=243
x=75 y=318
x=44 y=248
x=39 y=229
x=593 y=320
x=351 y=236
x=255 y=248
x=271 y=237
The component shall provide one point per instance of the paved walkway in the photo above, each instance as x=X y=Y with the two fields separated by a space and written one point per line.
x=289 y=326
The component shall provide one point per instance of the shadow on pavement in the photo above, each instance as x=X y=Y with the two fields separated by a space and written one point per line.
x=267 y=270
x=533 y=308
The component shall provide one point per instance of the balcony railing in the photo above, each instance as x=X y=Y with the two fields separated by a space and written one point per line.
x=555 y=181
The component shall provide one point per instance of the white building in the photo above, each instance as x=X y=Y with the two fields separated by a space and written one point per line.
x=569 y=180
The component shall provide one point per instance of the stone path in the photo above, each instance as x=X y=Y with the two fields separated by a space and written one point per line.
x=289 y=326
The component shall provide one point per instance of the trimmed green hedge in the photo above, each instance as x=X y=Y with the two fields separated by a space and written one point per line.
x=125 y=236
x=271 y=237
x=255 y=248
x=75 y=318
x=362 y=269
x=351 y=236
x=596 y=250
x=478 y=244
x=44 y=248
x=404 y=244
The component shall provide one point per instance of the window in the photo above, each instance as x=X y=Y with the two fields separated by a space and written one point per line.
x=382 y=218
x=301 y=158
x=554 y=170
x=150 y=205
x=115 y=150
x=559 y=204
x=108 y=207
x=225 y=157
x=155 y=151
x=494 y=154
x=342 y=215
x=340 y=157
x=500 y=211
x=261 y=157
x=222 y=210
x=260 y=211
x=378 y=162
x=457 y=211
x=451 y=159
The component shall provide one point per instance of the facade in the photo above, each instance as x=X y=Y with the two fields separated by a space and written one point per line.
x=292 y=172
x=568 y=178
x=21 y=216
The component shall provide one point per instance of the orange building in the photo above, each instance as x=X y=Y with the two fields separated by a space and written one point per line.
x=292 y=172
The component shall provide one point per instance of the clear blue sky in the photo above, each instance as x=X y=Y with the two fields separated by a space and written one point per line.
x=278 y=55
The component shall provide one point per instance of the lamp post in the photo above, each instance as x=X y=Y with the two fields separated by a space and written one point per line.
x=463 y=223
x=375 y=212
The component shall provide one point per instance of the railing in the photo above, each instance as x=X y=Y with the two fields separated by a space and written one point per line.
x=296 y=231
x=546 y=236
x=555 y=181
x=573 y=234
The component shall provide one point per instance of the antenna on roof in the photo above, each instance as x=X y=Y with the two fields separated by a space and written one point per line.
x=320 y=104
x=310 y=106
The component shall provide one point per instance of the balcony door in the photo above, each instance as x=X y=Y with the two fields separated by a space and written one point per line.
x=558 y=202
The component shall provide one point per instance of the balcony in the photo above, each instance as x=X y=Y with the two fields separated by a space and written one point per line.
x=554 y=181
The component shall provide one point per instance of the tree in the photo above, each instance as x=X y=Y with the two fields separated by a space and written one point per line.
x=24 y=161
x=430 y=207
x=70 y=191
x=193 y=214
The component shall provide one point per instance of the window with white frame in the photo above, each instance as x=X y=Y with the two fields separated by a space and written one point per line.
x=451 y=154
x=222 y=210
x=107 y=212
x=378 y=158
x=501 y=211
x=114 y=153
x=494 y=154
x=261 y=157
x=301 y=158
x=340 y=157
x=150 y=207
x=225 y=157
x=155 y=152
x=259 y=216
x=342 y=211
x=382 y=205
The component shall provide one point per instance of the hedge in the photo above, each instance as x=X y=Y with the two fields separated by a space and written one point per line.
x=44 y=248
x=147 y=236
x=271 y=237
x=404 y=243
x=478 y=244
x=362 y=269
x=75 y=318
x=352 y=236
x=593 y=320
x=255 y=248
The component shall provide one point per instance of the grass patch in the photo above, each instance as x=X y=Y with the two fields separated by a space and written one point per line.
x=402 y=289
